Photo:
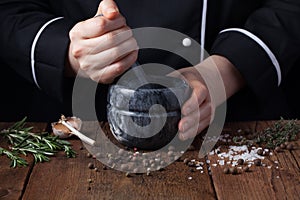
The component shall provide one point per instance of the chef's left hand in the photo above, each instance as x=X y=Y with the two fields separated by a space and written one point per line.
x=198 y=110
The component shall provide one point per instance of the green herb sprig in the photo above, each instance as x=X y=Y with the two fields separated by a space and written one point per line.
x=278 y=133
x=40 y=145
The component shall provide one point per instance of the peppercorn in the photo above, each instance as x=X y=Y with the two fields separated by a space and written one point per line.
x=127 y=174
x=260 y=152
x=278 y=149
x=191 y=164
x=159 y=168
x=81 y=148
x=290 y=146
x=240 y=161
x=104 y=167
x=233 y=170
x=257 y=162
x=226 y=170
x=286 y=143
x=171 y=148
x=96 y=169
x=282 y=146
x=90 y=180
x=170 y=153
x=153 y=165
x=151 y=161
x=176 y=158
x=246 y=169
x=186 y=161
x=266 y=153
x=89 y=155
x=192 y=170
x=121 y=152
x=91 y=166
x=135 y=170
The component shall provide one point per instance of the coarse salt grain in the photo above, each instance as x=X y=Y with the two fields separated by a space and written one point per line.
x=190 y=178
x=214 y=165
x=221 y=162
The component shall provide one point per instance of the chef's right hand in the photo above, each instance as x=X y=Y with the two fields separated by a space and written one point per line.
x=102 y=47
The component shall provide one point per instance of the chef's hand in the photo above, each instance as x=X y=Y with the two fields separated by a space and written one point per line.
x=198 y=110
x=102 y=47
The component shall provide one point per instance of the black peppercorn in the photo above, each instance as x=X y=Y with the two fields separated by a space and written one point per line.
x=89 y=155
x=246 y=169
x=226 y=170
x=233 y=170
x=260 y=152
x=186 y=161
x=257 y=162
x=104 y=167
x=191 y=164
x=127 y=174
x=91 y=166
x=240 y=161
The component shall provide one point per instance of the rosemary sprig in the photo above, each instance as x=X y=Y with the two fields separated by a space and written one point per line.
x=41 y=146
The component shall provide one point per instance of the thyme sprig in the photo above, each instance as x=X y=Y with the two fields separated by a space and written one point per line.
x=41 y=145
x=278 y=133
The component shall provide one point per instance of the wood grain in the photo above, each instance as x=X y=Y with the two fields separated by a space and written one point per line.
x=13 y=180
x=72 y=179
x=279 y=182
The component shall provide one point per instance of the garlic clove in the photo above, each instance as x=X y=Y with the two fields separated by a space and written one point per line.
x=75 y=122
x=60 y=130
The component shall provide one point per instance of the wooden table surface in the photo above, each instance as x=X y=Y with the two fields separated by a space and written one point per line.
x=64 y=178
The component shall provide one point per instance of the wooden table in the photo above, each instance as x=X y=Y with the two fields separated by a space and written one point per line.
x=64 y=178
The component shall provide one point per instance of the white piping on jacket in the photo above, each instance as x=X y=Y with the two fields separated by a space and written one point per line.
x=203 y=29
x=33 y=48
x=263 y=45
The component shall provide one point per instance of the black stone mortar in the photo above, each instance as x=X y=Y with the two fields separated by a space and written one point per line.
x=128 y=102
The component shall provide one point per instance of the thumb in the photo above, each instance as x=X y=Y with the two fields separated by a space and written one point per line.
x=108 y=8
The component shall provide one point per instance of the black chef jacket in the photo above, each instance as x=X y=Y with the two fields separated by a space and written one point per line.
x=260 y=37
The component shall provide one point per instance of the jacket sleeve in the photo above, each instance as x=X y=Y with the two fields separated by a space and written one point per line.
x=266 y=48
x=34 y=42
